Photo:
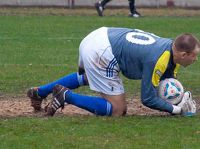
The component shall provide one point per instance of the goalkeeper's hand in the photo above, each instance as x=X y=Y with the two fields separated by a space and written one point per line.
x=188 y=105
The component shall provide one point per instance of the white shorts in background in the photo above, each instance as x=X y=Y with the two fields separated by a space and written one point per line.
x=101 y=67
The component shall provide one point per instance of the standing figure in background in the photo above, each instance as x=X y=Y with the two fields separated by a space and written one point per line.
x=100 y=6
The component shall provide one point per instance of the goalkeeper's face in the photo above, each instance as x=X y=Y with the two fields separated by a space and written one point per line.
x=189 y=58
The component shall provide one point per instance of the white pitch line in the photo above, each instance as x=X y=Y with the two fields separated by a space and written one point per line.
x=55 y=65
x=48 y=38
x=51 y=65
x=63 y=38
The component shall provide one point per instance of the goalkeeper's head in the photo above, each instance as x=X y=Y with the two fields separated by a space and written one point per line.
x=186 y=48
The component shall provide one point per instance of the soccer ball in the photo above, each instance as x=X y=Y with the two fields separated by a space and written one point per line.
x=171 y=90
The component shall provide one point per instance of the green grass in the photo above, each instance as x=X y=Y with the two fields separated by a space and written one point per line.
x=38 y=49
x=100 y=132
x=31 y=46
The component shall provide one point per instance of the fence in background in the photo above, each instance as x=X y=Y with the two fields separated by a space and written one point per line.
x=90 y=3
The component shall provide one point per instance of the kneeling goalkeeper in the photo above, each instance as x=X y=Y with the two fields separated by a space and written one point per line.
x=138 y=55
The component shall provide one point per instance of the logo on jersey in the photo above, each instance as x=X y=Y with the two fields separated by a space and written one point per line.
x=159 y=73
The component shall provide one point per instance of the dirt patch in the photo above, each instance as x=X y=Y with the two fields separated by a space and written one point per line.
x=20 y=106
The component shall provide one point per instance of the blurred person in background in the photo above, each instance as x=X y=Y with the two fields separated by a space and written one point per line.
x=100 y=6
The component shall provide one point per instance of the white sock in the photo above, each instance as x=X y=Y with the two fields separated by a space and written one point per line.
x=176 y=110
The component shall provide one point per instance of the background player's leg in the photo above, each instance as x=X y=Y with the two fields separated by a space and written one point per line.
x=100 y=6
x=104 y=2
x=133 y=12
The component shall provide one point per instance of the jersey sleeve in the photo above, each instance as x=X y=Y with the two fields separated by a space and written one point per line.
x=160 y=68
x=149 y=94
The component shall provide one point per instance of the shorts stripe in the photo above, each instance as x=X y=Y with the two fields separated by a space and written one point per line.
x=112 y=68
x=109 y=69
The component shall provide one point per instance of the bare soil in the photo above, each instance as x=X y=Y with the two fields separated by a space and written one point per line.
x=20 y=106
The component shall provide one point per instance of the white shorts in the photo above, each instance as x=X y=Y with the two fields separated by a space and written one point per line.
x=101 y=67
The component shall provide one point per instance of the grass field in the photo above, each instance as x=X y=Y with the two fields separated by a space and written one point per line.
x=36 y=49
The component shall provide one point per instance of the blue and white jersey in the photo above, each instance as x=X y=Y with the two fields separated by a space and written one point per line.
x=143 y=55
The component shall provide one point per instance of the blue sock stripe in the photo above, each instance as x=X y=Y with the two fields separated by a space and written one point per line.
x=109 y=109
x=80 y=79
x=64 y=94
